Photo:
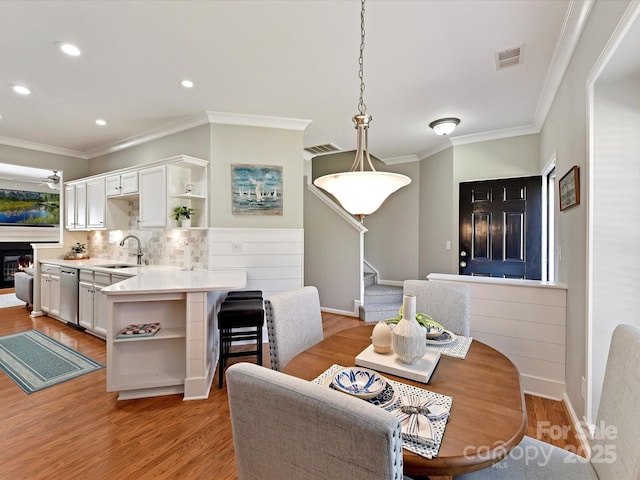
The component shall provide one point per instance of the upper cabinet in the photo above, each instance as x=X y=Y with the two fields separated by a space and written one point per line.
x=122 y=184
x=105 y=201
x=153 y=197
x=96 y=204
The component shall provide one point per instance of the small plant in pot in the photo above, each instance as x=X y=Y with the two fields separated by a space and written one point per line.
x=183 y=214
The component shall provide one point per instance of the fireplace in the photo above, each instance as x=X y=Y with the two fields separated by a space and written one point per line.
x=14 y=256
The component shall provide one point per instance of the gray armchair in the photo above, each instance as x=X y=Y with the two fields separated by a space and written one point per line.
x=616 y=448
x=447 y=303
x=285 y=428
x=294 y=323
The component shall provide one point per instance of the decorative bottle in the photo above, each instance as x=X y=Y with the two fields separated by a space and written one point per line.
x=409 y=337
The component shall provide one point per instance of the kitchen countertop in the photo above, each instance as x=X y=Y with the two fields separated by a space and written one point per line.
x=158 y=278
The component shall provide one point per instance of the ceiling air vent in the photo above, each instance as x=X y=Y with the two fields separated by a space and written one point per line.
x=322 y=149
x=508 y=58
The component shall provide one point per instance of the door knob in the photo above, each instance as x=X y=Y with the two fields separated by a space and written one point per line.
x=463 y=253
x=463 y=264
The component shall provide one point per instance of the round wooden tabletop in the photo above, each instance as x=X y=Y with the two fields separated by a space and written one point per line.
x=488 y=416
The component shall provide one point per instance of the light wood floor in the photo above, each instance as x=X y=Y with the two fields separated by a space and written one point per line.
x=77 y=430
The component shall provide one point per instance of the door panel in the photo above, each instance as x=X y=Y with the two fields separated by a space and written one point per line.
x=500 y=228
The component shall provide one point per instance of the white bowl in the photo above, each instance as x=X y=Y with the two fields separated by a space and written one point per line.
x=359 y=382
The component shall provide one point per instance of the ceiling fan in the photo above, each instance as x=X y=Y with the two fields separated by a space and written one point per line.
x=52 y=181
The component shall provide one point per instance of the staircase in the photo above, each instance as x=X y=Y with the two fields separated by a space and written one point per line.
x=380 y=301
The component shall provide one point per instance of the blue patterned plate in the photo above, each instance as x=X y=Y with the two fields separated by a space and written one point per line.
x=359 y=382
x=443 y=339
x=384 y=399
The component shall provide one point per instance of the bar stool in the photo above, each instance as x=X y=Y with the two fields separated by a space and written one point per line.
x=240 y=319
x=244 y=295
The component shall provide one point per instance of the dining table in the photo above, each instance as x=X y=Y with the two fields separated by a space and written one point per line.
x=488 y=413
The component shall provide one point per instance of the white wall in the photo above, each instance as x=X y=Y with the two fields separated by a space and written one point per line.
x=235 y=144
x=392 y=243
x=438 y=221
x=616 y=234
x=565 y=132
x=193 y=142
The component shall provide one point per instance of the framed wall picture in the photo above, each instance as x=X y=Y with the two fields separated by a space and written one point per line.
x=256 y=189
x=570 y=188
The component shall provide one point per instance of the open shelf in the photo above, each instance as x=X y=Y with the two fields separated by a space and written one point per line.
x=162 y=334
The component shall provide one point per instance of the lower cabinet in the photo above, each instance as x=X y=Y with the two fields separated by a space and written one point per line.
x=92 y=303
x=50 y=289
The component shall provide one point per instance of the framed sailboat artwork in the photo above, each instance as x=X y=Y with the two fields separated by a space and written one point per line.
x=256 y=189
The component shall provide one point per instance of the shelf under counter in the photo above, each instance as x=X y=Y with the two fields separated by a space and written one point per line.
x=162 y=334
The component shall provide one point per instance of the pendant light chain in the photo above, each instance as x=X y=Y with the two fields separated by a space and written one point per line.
x=362 y=108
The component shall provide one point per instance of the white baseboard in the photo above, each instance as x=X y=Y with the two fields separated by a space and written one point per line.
x=582 y=427
x=543 y=387
x=341 y=312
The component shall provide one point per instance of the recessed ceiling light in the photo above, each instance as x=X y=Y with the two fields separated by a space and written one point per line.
x=21 y=89
x=186 y=83
x=69 y=49
x=101 y=122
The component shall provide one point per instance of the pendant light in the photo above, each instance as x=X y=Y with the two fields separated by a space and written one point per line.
x=361 y=192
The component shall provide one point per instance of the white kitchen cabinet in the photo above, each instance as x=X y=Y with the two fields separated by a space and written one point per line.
x=50 y=289
x=92 y=303
x=96 y=204
x=153 y=197
x=76 y=206
x=70 y=206
x=122 y=184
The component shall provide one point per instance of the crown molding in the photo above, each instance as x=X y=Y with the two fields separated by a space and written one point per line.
x=224 y=118
x=574 y=23
x=401 y=159
x=495 y=135
x=178 y=126
x=15 y=142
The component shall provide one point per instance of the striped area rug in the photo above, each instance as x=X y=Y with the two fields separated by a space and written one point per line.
x=35 y=361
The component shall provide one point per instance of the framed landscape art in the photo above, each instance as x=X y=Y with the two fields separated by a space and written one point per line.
x=569 y=186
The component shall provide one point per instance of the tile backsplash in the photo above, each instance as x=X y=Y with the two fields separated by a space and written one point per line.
x=160 y=247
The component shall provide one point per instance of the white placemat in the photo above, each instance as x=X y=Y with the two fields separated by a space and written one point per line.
x=403 y=389
x=457 y=349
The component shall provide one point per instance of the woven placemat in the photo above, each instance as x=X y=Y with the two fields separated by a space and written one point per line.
x=403 y=389
x=457 y=349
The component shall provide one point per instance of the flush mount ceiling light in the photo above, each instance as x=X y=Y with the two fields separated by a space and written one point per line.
x=21 y=89
x=444 y=126
x=186 y=83
x=362 y=192
x=69 y=49
x=101 y=122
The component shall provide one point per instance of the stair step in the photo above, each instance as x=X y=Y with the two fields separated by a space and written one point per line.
x=383 y=294
x=378 y=312
x=369 y=279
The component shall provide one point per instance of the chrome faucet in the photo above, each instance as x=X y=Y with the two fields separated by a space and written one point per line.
x=139 y=252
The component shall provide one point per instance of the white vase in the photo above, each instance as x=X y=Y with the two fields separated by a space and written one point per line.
x=381 y=338
x=186 y=223
x=409 y=338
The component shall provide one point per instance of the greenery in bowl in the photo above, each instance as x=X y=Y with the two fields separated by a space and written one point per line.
x=183 y=212
x=79 y=248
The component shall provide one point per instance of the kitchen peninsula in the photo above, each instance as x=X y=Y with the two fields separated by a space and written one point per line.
x=181 y=356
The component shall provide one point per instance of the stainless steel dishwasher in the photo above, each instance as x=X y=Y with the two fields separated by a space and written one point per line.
x=69 y=295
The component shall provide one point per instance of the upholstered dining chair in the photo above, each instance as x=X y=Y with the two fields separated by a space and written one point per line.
x=286 y=428
x=615 y=450
x=446 y=302
x=294 y=323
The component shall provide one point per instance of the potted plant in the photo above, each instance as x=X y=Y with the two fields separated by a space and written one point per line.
x=79 y=250
x=183 y=213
